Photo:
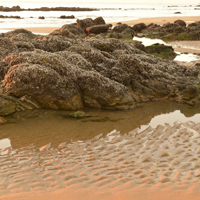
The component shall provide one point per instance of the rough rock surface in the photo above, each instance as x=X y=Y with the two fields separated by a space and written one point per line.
x=161 y=50
x=2 y=120
x=84 y=23
x=6 y=47
x=139 y=27
x=180 y=22
x=69 y=31
x=122 y=31
x=66 y=71
x=98 y=28
x=172 y=31
x=99 y=20
x=88 y=22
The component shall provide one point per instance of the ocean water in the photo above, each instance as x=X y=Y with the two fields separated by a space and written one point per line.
x=110 y=12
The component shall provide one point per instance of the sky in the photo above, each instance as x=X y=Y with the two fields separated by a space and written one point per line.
x=173 y=2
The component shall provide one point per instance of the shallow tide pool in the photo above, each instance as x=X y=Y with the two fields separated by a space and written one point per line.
x=180 y=56
x=154 y=147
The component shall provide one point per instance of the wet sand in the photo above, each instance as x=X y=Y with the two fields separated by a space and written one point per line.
x=186 y=46
x=151 y=162
x=162 y=20
x=158 y=163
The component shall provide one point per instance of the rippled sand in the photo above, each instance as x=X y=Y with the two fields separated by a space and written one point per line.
x=165 y=158
x=158 y=162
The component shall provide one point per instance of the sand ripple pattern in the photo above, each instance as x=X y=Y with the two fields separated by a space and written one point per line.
x=161 y=157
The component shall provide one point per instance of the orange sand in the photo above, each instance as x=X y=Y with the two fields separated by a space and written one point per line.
x=159 y=163
x=162 y=20
x=91 y=194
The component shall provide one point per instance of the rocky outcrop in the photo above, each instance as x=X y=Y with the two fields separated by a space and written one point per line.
x=95 y=26
x=99 y=20
x=172 y=31
x=139 y=45
x=9 y=104
x=5 y=16
x=120 y=28
x=20 y=35
x=139 y=27
x=161 y=50
x=121 y=31
x=53 y=43
x=70 y=31
x=67 y=17
x=84 y=23
x=97 y=29
x=180 y=22
x=2 y=120
x=52 y=90
x=18 y=8
x=6 y=47
x=65 y=71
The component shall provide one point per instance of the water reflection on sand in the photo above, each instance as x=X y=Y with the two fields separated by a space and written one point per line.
x=153 y=146
x=40 y=127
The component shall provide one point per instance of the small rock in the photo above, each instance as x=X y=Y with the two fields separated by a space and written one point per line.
x=197 y=65
x=85 y=23
x=67 y=17
x=78 y=114
x=42 y=17
x=139 y=27
x=2 y=120
x=180 y=22
x=98 y=28
x=99 y=20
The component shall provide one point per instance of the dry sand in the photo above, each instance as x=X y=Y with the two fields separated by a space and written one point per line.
x=154 y=164
x=39 y=30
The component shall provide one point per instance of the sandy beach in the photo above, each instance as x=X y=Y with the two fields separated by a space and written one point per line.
x=162 y=20
x=159 y=163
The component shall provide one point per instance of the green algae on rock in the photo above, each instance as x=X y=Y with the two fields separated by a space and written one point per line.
x=161 y=50
x=172 y=31
x=78 y=114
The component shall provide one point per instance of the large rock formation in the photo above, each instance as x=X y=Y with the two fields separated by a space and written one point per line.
x=65 y=71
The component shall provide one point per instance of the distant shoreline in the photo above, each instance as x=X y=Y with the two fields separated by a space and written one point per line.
x=18 y=9
x=156 y=20
x=161 y=20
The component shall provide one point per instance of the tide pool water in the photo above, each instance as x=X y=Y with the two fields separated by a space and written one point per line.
x=155 y=146
x=180 y=56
